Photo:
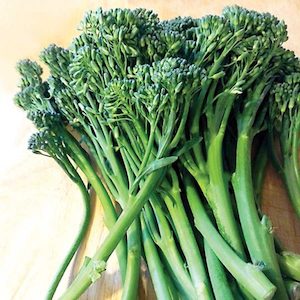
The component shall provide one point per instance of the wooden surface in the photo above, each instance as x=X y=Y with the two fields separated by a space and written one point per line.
x=39 y=206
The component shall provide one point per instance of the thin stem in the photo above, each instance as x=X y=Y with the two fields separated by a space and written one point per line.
x=110 y=215
x=80 y=234
x=292 y=184
x=154 y=264
x=259 y=170
x=98 y=262
x=217 y=275
x=295 y=150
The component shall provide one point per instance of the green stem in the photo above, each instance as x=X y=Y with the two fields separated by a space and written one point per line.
x=78 y=239
x=219 y=198
x=295 y=150
x=164 y=238
x=217 y=275
x=246 y=274
x=257 y=232
x=259 y=170
x=292 y=184
x=293 y=288
x=290 y=264
x=131 y=284
x=154 y=264
x=186 y=238
x=110 y=215
x=97 y=264
x=132 y=265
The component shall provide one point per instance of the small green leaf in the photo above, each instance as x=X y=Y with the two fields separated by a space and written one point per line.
x=153 y=166
x=188 y=145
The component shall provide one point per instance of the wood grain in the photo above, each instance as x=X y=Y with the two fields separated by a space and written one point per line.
x=40 y=208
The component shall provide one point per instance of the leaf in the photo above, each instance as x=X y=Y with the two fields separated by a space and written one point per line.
x=154 y=166
x=188 y=146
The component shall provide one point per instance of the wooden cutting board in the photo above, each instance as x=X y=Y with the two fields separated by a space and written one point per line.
x=40 y=209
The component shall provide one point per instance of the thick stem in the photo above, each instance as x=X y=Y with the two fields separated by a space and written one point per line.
x=219 y=197
x=257 y=232
x=293 y=288
x=246 y=274
x=187 y=239
x=290 y=264
x=131 y=284
x=97 y=264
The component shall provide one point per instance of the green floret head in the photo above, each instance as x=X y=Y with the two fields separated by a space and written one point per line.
x=34 y=94
x=253 y=22
x=46 y=142
x=164 y=93
x=116 y=100
x=285 y=105
x=30 y=72
x=180 y=24
x=39 y=143
x=44 y=119
x=33 y=97
x=173 y=79
x=127 y=35
x=58 y=60
x=210 y=35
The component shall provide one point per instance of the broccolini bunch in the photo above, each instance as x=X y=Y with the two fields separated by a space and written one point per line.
x=166 y=112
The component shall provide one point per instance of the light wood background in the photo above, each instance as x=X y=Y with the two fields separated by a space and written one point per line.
x=40 y=209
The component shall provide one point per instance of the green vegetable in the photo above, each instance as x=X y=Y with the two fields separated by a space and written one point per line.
x=290 y=264
x=167 y=111
x=285 y=121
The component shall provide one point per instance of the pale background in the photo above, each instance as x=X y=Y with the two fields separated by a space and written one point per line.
x=39 y=207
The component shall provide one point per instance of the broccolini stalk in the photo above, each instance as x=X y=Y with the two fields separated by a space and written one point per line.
x=110 y=43
x=176 y=210
x=156 y=270
x=285 y=122
x=259 y=170
x=290 y=264
x=35 y=99
x=173 y=81
x=229 y=74
x=246 y=274
x=217 y=275
x=97 y=133
x=246 y=66
x=218 y=96
x=47 y=143
x=250 y=117
x=159 y=228
x=262 y=37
